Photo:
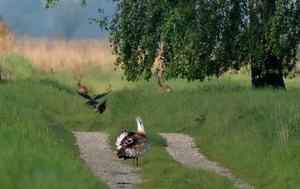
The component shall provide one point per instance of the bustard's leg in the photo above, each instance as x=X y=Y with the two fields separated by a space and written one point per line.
x=135 y=161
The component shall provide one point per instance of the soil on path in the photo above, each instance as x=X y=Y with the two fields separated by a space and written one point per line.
x=104 y=162
x=183 y=149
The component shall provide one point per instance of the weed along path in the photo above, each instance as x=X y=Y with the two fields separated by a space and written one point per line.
x=183 y=149
x=105 y=164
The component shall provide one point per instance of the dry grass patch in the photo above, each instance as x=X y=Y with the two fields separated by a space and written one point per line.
x=6 y=38
x=78 y=55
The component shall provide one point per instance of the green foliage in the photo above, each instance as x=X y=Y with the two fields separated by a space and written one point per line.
x=298 y=53
x=199 y=39
x=51 y=3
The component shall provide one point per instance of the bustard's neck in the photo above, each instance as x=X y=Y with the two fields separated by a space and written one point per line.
x=140 y=128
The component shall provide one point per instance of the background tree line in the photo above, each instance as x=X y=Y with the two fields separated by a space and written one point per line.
x=197 y=39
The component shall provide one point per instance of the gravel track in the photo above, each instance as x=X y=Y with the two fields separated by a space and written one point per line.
x=105 y=164
x=183 y=149
x=95 y=151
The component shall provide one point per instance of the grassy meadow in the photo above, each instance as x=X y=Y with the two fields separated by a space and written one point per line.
x=254 y=133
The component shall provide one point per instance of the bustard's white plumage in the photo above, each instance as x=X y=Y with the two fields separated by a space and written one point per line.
x=131 y=144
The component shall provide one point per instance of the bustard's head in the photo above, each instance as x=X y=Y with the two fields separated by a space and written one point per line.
x=140 y=126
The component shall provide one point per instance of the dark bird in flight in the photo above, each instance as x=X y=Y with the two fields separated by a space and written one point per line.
x=92 y=99
x=101 y=108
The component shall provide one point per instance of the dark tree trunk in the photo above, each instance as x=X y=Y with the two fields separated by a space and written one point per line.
x=265 y=72
x=271 y=78
x=257 y=78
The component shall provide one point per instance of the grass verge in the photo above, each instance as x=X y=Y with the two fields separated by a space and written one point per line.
x=253 y=133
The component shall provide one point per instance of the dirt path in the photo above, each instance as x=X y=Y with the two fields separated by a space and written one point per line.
x=104 y=162
x=95 y=151
x=183 y=149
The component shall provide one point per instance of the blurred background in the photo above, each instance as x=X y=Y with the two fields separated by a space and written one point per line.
x=60 y=38
x=67 y=19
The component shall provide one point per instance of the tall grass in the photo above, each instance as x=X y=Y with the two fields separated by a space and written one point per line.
x=36 y=150
x=254 y=133
x=78 y=56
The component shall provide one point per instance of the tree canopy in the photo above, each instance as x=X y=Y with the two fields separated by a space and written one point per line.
x=197 y=39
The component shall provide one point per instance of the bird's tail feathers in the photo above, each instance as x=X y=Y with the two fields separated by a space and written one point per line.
x=123 y=134
x=120 y=138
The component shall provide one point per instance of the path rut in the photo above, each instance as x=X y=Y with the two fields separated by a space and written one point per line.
x=183 y=149
x=105 y=164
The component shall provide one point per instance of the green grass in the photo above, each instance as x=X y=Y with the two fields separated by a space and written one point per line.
x=254 y=133
x=36 y=150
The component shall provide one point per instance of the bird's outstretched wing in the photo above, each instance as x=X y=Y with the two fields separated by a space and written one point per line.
x=84 y=95
x=101 y=95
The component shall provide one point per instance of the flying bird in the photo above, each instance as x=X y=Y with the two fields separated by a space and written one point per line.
x=131 y=144
x=92 y=99
x=101 y=108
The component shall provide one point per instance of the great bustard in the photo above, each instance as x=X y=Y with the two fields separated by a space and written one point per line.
x=131 y=144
